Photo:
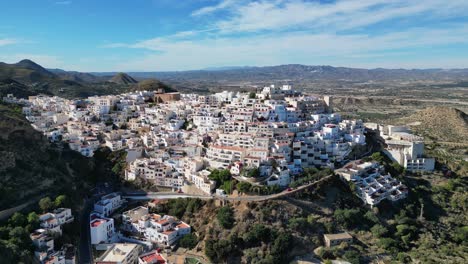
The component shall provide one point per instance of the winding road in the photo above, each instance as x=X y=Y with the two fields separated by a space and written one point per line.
x=248 y=198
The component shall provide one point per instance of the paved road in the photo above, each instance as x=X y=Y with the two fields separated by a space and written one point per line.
x=249 y=198
x=85 y=253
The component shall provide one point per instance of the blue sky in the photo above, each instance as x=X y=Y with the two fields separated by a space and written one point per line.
x=161 y=35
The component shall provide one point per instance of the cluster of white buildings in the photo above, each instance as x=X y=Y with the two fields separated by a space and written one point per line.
x=404 y=147
x=372 y=184
x=139 y=233
x=278 y=131
x=43 y=239
x=162 y=230
x=129 y=253
x=101 y=226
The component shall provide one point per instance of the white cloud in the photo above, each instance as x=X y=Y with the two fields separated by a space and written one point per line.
x=63 y=2
x=7 y=41
x=270 y=49
x=46 y=61
x=285 y=14
x=210 y=9
x=298 y=31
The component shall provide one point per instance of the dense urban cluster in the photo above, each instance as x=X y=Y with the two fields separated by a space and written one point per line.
x=139 y=233
x=263 y=137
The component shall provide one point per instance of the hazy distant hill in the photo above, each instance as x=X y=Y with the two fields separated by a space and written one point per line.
x=123 y=78
x=301 y=72
x=77 y=76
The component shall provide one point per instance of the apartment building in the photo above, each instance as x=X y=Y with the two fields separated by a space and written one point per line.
x=163 y=230
x=121 y=253
x=102 y=229
x=108 y=204
x=371 y=182
x=406 y=149
x=154 y=171
x=222 y=156
x=54 y=220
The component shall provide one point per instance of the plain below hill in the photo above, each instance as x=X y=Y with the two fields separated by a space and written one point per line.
x=439 y=123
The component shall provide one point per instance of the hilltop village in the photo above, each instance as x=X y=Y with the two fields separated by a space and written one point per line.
x=265 y=137
x=172 y=140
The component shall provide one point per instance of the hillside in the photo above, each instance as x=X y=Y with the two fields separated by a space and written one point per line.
x=440 y=123
x=152 y=85
x=25 y=71
x=31 y=167
x=77 y=76
x=123 y=78
x=28 y=78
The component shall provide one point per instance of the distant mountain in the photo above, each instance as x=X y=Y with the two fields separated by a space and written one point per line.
x=29 y=64
x=226 y=68
x=77 y=76
x=29 y=78
x=25 y=71
x=295 y=72
x=123 y=78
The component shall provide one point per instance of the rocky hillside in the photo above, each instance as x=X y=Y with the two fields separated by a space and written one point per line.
x=440 y=123
x=31 y=167
x=123 y=78
x=28 y=78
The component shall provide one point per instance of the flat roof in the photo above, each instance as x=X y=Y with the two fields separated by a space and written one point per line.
x=344 y=235
x=118 y=252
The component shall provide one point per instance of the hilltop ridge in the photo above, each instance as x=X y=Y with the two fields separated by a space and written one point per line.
x=442 y=123
x=123 y=78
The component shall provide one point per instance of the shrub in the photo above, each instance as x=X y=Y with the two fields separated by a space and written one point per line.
x=225 y=217
x=188 y=241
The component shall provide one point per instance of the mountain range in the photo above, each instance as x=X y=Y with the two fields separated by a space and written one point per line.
x=301 y=72
x=27 y=77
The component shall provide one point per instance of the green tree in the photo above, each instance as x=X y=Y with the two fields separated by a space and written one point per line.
x=18 y=219
x=388 y=244
x=371 y=217
x=258 y=233
x=347 y=217
x=352 y=256
x=281 y=247
x=225 y=217
x=46 y=204
x=188 y=241
x=33 y=219
x=243 y=187
x=461 y=235
x=61 y=201
x=252 y=95
x=379 y=230
x=227 y=186
x=220 y=176
x=377 y=156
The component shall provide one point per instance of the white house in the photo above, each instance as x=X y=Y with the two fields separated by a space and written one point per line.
x=108 y=204
x=102 y=229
